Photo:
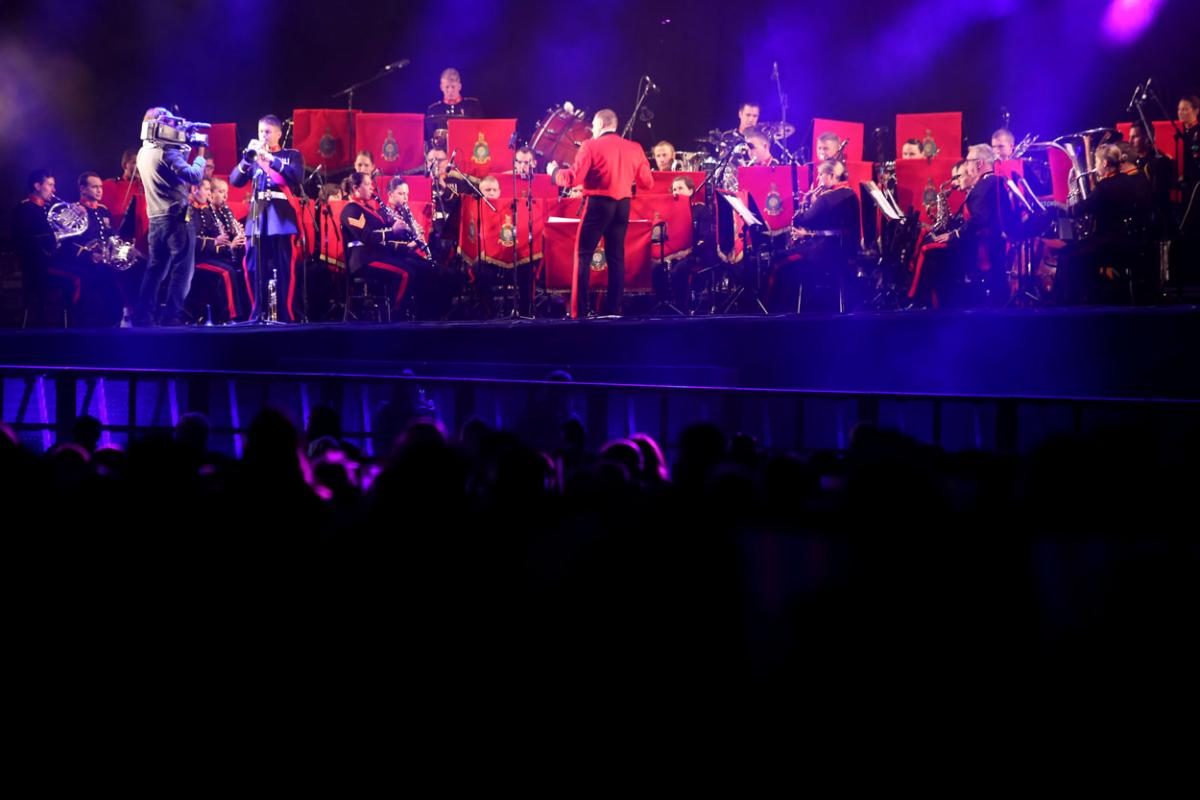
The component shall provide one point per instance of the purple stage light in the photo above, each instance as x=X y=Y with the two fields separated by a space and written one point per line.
x=1126 y=20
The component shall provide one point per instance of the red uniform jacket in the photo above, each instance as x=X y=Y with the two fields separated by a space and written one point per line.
x=608 y=166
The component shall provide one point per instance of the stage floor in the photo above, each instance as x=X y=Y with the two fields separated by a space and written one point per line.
x=1135 y=353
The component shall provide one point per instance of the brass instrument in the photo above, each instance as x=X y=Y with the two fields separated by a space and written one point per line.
x=273 y=297
x=941 y=208
x=1078 y=177
x=66 y=219
x=1023 y=145
x=115 y=252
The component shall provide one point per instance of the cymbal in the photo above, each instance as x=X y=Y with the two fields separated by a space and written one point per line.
x=778 y=130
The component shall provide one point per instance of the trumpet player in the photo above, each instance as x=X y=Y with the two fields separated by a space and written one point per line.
x=273 y=172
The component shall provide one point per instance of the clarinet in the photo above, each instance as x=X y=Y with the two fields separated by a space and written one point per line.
x=418 y=234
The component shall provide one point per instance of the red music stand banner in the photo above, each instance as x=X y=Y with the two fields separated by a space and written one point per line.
x=325 y=137
x=676 y=213
x=1164 y=140
x=560 y=232
x=1060 y=174
x=481 y=145
x=845 y=130
x=396 y=141
x=770 y=188
x=940 y=134
x=918 y=180
x=499 y=236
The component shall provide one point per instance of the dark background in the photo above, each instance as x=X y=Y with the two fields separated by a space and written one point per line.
x=75 y=77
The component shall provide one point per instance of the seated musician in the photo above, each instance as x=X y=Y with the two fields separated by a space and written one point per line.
x=911 y=149
x=968 y=265
x=827 y=234
x=364 y=162
x=672 y=279
x=490 y=186
x=1188 y=113
x=1120 y=207
x=220 y=249
x=367 y=235
x=664 y=157
x=524 y=164
x=452 y=105
x=760 y=149
x=748 y=114
x=1159 y=170
x=99 y=299
x=829 y=145
x=1003 y=143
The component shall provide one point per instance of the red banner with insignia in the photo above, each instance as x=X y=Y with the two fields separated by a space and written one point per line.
x=845 y=130
x=768 y=192
x=396 y=141
x=325 y=137
x=675 y=216
x=480 y=146
x=500 y=236
x=940 y=134
x=562 y=225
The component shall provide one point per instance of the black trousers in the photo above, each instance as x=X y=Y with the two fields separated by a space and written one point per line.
x=607 y=218
x=276 y=262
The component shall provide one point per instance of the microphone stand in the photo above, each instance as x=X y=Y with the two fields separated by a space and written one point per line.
x=304 y=209
x=643 y=91
x=515 y=313
x=349 y=90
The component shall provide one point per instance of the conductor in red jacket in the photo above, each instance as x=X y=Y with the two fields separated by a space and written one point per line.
x=607 y=167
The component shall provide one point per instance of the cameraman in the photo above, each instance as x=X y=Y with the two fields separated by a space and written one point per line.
x=166 y=177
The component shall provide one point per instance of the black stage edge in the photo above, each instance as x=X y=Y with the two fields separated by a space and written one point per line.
x=1090 y=353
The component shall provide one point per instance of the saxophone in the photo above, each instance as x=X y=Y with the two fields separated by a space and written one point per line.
x=941 y=208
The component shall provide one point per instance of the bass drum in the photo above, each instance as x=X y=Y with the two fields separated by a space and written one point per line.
x=559 y=136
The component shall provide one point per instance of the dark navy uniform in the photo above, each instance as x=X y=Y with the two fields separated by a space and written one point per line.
x=221 y=260
x=272 y=215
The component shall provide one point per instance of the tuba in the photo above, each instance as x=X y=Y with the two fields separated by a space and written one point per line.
x=66 y=219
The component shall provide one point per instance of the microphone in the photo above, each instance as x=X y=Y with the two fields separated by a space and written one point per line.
x=651 y=84
x=1146 y=88
x=775 y=71
x=1137 y=96
x=401 y=64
